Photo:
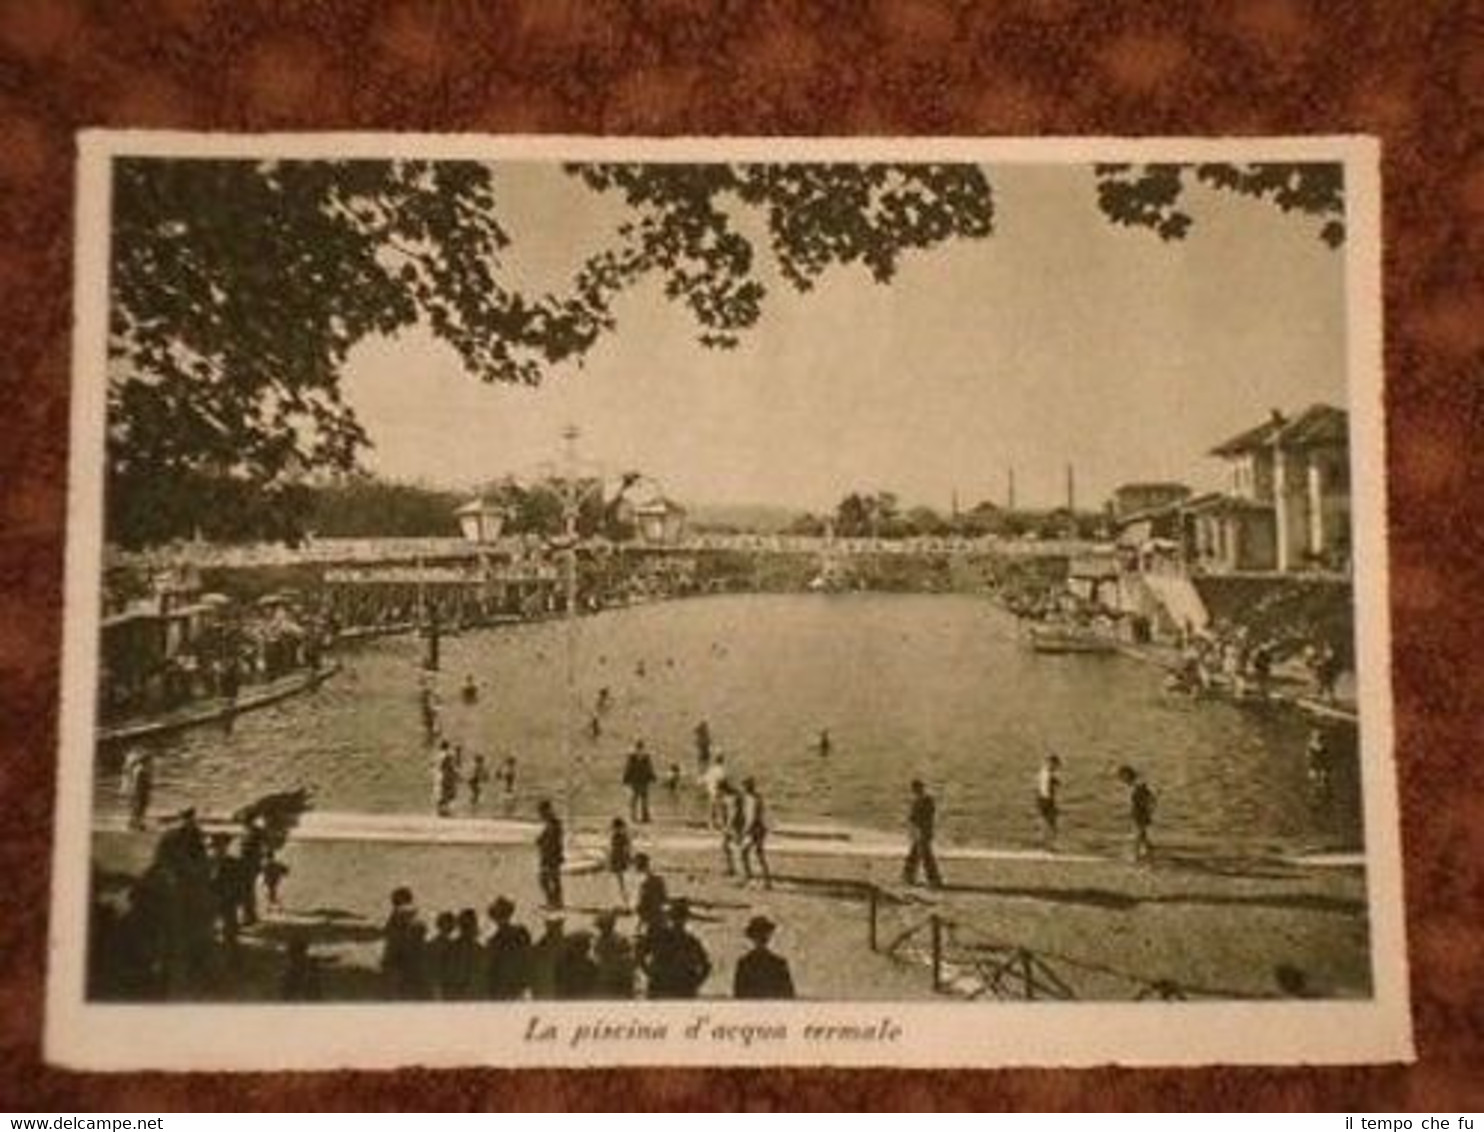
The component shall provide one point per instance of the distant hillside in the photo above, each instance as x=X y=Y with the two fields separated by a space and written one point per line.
x=763 y=518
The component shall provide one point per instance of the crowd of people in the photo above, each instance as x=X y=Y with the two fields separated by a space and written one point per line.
x=1224 y=658
x=661 y=959
x=177 y=929
x=1231 y=659
x=200 y=890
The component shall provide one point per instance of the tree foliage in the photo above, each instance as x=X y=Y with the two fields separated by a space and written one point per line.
x=238 y=288
x=868 y=515
x=1153 y=196
x=816 y=217
x=363 y=507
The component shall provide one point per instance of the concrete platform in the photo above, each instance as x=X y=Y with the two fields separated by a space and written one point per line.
x=836 y=841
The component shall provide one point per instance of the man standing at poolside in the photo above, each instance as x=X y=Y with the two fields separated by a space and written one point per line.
x=638 y=776
x=549 y=855
x=703 y=746
x=1140 y=810
x=1048 y=790
x=137 y=785
x=921 y=822
x=754 y=832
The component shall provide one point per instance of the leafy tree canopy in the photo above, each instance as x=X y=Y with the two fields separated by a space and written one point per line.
x=1152 y=196
x=239 y=287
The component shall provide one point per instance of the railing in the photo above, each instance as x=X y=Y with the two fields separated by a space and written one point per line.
x=373 y=551
x=964 y=960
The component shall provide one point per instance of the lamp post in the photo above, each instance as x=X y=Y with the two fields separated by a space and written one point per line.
x=571 y=502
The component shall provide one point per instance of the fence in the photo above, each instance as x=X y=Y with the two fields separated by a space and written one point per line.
x=964 y=960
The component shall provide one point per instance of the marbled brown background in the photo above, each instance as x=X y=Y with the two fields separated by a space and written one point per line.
x=1411 y=72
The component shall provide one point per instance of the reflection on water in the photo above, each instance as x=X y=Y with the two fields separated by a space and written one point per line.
x=931 y=686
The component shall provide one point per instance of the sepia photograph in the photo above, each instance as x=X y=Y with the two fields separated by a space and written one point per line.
x=745 y=601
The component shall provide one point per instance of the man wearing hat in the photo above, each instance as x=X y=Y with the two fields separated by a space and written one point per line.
x=403 y=947
x=614 y=955
x=182 y=845
x=546 y=955
x=762 y=973
x=674 y=960
x=507 y=953
x=226 y=886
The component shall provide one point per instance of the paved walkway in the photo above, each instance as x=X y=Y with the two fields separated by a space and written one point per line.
x=785 y=840
x=1206 y=923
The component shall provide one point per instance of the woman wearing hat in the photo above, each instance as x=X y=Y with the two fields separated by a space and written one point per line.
x=762 y=973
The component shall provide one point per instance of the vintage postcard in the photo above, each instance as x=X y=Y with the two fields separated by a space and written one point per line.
x=565 y=602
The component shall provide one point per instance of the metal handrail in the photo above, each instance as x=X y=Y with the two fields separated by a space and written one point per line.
x=990 y=967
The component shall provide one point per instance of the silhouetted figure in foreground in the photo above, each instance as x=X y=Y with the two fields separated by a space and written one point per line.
x=762 y=973
x=404 y=944
x=652 y=897
x=301 y=981
x=674 y=961
x=507 y=954
x=576 y=973
x=614 y=955
x=546 y=956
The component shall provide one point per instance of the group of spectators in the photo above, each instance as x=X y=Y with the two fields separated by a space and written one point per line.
x=737 y=812
x=1232 y=658
x=176 y=931
x=1225 y=657
x=663 y=959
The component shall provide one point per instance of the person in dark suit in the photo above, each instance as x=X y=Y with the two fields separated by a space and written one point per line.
x=639 y=776
x=403 y=950
x=921 y=822
x=653 y=898
x=614 y=956
x=674 y=961
x=549 y=855
x=507 y=954
x=762 y=973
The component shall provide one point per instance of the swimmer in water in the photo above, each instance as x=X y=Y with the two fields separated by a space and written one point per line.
x=825 y=746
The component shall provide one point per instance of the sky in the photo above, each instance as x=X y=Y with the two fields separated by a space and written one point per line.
x=1061 y=338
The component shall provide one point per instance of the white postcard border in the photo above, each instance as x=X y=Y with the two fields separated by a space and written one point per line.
x=80 y=1034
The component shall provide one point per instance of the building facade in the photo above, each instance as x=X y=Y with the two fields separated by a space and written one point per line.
x=1131 y=499
x=1287 y=507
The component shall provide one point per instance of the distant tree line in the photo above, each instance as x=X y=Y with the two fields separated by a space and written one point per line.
x=361 y=506
x=879 y=514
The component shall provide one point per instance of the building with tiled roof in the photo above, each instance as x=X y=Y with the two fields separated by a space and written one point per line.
x=1287 y=506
